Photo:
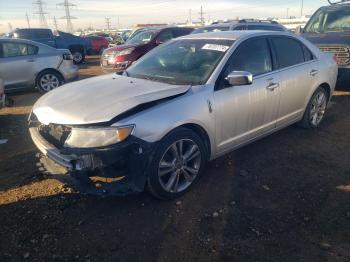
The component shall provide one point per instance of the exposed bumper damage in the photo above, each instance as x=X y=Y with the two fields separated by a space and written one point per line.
x=116 y=170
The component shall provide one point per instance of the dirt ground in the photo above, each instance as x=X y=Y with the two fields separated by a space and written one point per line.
x=284 y=198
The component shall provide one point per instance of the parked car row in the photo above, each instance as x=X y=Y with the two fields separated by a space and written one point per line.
x=187 y=101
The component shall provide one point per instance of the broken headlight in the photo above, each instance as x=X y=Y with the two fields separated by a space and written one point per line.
x=97 y=137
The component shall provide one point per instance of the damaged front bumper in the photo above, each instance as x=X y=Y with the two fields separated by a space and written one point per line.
x=117 y=170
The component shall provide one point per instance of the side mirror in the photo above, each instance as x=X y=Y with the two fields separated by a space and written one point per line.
x=158 y=42
x=298 y=30
x=239 y=78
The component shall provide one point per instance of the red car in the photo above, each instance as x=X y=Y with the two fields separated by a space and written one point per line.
x=119 y=58
x=97 y=44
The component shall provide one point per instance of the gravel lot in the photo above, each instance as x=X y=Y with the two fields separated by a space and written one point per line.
x=284 y=198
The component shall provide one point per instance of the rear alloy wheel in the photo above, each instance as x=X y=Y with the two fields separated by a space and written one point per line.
x=177 y=164
x=49 y=81
x=316 y=109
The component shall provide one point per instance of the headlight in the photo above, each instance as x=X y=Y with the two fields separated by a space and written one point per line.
x=125 y=51
x=97 y=137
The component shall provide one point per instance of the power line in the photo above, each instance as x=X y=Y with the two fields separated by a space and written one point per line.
x=67 y=6
x=201 y=13
x=41 y=13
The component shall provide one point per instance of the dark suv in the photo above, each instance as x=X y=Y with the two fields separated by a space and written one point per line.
x=58 y=39
x=329 y=29
x=119 y=58
x=245 y=24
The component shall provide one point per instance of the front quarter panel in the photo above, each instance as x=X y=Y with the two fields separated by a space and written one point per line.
x=191 y=108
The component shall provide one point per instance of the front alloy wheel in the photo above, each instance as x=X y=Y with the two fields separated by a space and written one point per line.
x=177 y=164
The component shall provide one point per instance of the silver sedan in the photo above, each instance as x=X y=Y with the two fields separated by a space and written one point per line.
x=27 y=64
x=186 y=102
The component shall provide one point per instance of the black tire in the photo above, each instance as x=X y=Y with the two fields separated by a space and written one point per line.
x=309 y=118
x=46 y=75
x=78 y=55
x=188 y=138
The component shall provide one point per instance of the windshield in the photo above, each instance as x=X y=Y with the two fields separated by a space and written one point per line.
x=329 y=20
x=181 y=62
x=142 y=38
x=211 y=29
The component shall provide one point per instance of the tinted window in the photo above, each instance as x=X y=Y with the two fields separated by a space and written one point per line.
x=252 y=56
x=42 y=34
x=308 y=56
x=264 y=27
x=165 y=36
x=181 y=32
x=289 y=51
x=211 y=29
x=17 y=49
x=240 y=27
x=24 y=34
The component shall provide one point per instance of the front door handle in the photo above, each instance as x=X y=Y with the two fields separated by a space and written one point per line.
x=313 y=72
x=272 y=86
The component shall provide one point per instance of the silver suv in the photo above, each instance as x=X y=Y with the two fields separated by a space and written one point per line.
x=188 y=101
x=28 y=64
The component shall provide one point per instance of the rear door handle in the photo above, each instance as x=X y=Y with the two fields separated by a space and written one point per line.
x=272 y=86
x=313 y=72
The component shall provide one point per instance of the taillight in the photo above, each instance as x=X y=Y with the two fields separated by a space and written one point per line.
x=67 y=57
x=335 y=58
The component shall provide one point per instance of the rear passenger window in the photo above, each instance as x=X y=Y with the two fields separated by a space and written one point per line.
x=289 y=51
x=17 y=49
x=240 y=27
x=181 y=32
x=308 y=56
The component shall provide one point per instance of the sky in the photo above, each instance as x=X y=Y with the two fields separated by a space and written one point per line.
x=129 y=12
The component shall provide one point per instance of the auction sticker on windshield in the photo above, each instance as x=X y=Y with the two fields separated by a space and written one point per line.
x=214 y=47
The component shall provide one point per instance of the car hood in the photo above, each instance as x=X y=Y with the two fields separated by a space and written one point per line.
x=99 y=99
x=329 y=38
x=122 y=47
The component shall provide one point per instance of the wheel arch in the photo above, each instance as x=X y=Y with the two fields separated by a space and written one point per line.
x=327 y=87
x=202 y=133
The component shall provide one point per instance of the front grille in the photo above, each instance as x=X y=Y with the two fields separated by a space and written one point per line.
x=341 y=52
x=55 y=134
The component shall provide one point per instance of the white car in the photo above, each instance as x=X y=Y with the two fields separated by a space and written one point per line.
x=188 y=101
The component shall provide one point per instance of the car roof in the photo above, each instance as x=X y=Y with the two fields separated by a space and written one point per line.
x=234 y=35
x=25 y=41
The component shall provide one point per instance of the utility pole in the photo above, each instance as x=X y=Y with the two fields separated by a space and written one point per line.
x=287 y=12
x=10 y=27
x=55 y=24
x=41 y=13
x=28 y=22
x=201 y=13
x=108 y=23
x=190 y=17
x=302 y=8
x=67 y=6
x=118 y=22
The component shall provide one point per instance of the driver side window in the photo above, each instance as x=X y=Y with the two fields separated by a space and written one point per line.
x=252 y=56
x=165 y=36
